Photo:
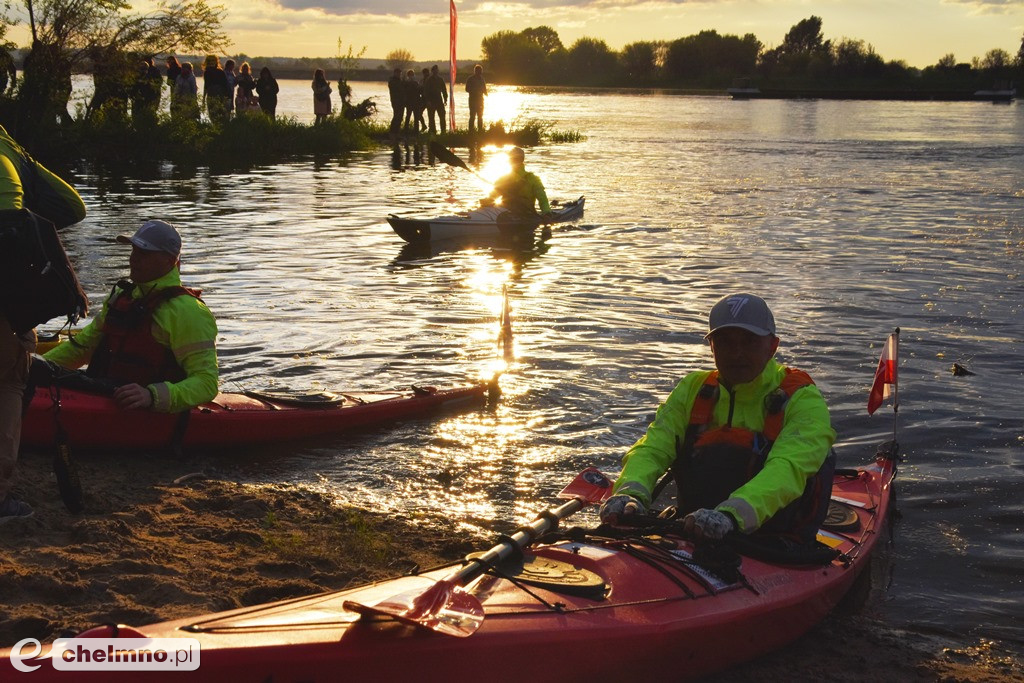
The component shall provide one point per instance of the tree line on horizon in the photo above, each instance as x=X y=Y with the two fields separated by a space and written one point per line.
x=804 y=58
x=108 y=39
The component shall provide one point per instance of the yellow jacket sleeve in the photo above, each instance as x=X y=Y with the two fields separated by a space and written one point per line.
x=654 y=453
x=185 y=325
x=537 y=187
x=78 y=350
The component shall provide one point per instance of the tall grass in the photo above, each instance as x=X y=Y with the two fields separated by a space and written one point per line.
x=106 y=136
x=527 y=133
x=109 y=136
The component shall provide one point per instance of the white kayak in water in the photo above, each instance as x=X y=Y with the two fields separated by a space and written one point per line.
x=487 y=220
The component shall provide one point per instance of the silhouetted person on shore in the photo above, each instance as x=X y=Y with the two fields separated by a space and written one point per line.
x=396 y=90
x=173 y=69
x=321 y=96
x=413 y=96
x=436 y=94
x=216 y=91
x=267 y=89
x=185 y=98
x=477 y=89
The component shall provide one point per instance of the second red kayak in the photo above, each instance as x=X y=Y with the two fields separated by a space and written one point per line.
x=92 y=420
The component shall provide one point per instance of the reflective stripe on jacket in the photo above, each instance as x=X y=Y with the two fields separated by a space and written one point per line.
x=797 y=454
x=182 y=324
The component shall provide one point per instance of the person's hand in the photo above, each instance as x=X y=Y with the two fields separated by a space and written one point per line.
x=547 y=217
x=616 y=506
x=706 y=523
x=133 y=397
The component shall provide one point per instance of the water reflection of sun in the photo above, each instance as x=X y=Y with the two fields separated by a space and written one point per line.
x=505 y=104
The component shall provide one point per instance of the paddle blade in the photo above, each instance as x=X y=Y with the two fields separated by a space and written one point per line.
x=590 y=485
x=445 y=155
x=68 y=483
x=443 y=607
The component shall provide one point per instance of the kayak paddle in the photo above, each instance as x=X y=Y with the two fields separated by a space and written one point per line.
x=64 y=468
x=447 y=156
x=445 y=606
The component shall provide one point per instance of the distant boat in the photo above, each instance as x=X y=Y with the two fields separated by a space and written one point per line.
x=996 y=94
x=744 y=93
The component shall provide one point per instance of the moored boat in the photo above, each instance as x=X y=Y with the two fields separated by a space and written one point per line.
x=581 y=604
x=92 y=420
x=485 y=221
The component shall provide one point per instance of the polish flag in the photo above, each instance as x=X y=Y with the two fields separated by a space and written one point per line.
x=886 y=379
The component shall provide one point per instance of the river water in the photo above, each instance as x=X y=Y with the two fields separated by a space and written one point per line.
x=850 y=218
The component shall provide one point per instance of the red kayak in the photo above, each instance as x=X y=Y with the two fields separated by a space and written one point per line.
x=92 y=420
x=579 y=605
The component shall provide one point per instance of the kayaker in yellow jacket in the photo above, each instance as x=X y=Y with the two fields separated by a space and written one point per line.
x=154 y=336
x=749 y=443
x=520 y=191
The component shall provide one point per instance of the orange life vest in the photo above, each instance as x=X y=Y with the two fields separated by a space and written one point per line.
x=711 y=463
x=127 y=351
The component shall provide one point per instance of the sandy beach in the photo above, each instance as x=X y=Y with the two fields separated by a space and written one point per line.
x=162 y=539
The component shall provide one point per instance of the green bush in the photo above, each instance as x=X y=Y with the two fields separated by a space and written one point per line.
x=248 y=138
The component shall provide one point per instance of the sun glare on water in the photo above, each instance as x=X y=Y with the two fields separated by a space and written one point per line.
x=504 y=103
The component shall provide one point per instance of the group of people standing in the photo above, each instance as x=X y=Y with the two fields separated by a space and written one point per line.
x=414 y=100
x=224 y=90
x=411 y=97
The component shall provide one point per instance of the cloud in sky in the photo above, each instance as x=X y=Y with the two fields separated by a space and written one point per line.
x=408 y=8
x=998 y=6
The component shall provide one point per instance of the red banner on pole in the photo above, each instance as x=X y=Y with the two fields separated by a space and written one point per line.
x=886 y=375
x=453 y=20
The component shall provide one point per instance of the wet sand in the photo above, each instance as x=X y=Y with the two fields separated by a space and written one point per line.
x=156 y=543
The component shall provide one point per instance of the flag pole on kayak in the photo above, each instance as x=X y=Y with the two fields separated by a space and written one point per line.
x=886 y=381
x=445 y=606
x=505 y=335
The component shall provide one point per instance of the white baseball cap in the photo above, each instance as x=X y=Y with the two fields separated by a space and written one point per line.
x=745 y=311
x=155 y=236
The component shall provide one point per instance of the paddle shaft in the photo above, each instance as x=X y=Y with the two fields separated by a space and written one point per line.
x=523 y=537
x=445 y=606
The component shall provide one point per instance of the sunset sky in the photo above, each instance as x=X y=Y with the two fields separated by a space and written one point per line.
x=917 y=31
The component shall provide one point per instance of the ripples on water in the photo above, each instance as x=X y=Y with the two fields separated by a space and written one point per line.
x=851 y=218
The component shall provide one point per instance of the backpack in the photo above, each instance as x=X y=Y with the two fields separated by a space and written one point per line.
x=37 y=282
